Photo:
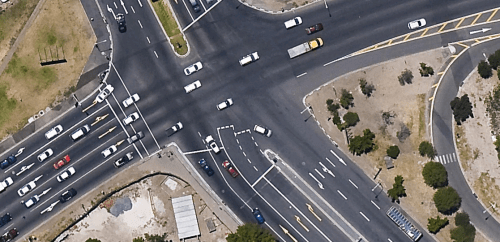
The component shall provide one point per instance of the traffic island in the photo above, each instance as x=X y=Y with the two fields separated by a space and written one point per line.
x=170 y=26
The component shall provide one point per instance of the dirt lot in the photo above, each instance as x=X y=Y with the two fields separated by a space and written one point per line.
x=409 y=104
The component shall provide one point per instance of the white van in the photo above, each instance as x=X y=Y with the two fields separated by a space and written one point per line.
x=79 y=133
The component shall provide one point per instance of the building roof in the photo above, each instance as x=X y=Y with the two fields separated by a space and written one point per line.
x=185 y=217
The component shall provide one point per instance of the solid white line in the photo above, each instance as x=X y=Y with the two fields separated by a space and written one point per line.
x=338 y=158
x=133 y=10
x=263 y=175
x=330 y=161
x=188 y=11
x=196 y=152
x=353 y=184
x=389 y=240
x=139 y=21
x=341 y=194
x=140 y=4
x=364 y=216
x=305 y=73
x=331 y=62
x=319 y=173
x=375 y=204
x=203 y=14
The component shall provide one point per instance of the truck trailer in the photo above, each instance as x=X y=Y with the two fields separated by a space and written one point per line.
x=305 y=47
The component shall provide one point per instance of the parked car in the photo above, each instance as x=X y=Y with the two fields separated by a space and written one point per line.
x=195 y=6
x=193 y=86
x=110 y=150
x=261 y=130
x=66 y=174
x=6 y=218
x=258 y=215
x=9 y=161
x=26 y=188
x=315 y=28
x=131 y=100
x=225 y=104
x=211 y=142
x=6 y=183
x=67 y=195
x=206 y=167
x=46 y=154
x=104 y=93
x=174 y=129
x=32 y=201
x=60 y=163
x=230 y=168
x=293 y=22
x=249 y=58
x=415 y=24
x=120 y=18
x=131 y=118
x=126 y=158
x=53 y=132
x=193 y=68
x=134 y=138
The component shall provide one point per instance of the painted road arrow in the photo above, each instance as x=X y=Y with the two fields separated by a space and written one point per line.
x=483 y=30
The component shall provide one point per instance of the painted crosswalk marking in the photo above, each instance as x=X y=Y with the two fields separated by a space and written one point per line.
x=447 y=158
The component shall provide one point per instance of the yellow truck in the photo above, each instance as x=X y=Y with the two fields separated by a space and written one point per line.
x=305 y=47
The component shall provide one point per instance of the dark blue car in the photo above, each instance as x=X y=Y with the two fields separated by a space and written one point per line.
x=206 y=167
x=5 y=219
x=258 y=216
x=7 y=162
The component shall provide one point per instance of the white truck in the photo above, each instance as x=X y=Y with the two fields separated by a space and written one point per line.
x=305 y=47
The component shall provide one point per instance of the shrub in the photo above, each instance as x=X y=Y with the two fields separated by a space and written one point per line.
x=251 y=232
x=484 y=69
x=397 y=190
x=462 y=109
x=406 y=77
x=494 y=60
x=138 y=239
x=435 y=175
x=366 y=88
x=362 y=144
x=497 y=146
x=393 y=151
x=425 y=148
x=425 y=70
x=346 y=100
x=351 y=119
x=447 y=200
x=462 y=219
x=92 y=240
x=332 y=107
x=463 y=233
x=436 y=224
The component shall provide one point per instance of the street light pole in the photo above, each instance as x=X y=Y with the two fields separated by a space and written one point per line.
x=326 y=6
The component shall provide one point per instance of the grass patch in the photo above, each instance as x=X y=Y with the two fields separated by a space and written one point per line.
x=421 y=114
x=486 y=188
x=20 y=68
x=14 y=18
x=7 y=105
x=170 y=26
x=464 y=149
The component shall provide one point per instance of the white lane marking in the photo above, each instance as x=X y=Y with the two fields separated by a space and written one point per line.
x=240 y=147
x=263 y=175
x=319 y=173
x=188 y=11
x=140 y=4
x=389 y=240
x=140 y=24
x=374 y=204
x=341 y=194
x=320 y=185
x=362 y=214
x=123 y=5
x=305 y=73
x=340 y=159
x=203 y=14
x=244 y=154
x=115 y=5
x=196 y=152
x=249 y=161
x=149 y=41
x=255 y=168
x=237 y=141
x=330 y=162
x=256 y=144
x=331 y=62
x=156 y=58
x=353 y=184
x=132 y=7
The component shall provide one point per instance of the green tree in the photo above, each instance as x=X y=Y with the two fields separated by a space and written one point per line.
x=426 y=70
x=332 y=107
x=393 y=151
x=251 y=233
x=462 y=108
x=138 y=239
x=92 y=240
x=425 y=148
x=447 y=200
x=362 y=144
x=397 y=190
x=406 y=77
x=462 y=219
x=494 y=60
x=435 y=175
x=346 y=100
x=463 y=233
x=366 y=88
x=484 y=69
x=351 y=119
x=436 y=224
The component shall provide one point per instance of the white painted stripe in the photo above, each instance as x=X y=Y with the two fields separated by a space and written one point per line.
x=255 y=168
x=374 y=204
x=353 y=184
x=342 y=194
x=330 y=162
x=132 y=7
x=263 y=175
x=319 y=173
x=196 y=152
x=305 y=73
x=362 y=214
x=140 y=24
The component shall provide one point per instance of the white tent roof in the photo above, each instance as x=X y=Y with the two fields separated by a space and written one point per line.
x=185 y=217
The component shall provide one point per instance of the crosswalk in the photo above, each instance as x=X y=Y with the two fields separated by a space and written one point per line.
x=446 y=159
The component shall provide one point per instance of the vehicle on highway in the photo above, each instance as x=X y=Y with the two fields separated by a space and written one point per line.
x=131 y=118
x=174 y=129
x=225 y=104
x=211 y=142
x=258 y=215
x=104 y=93
x=120 y=18
x=230 y=168
x=66 y=174
x=195 y=6
x=193 y=86
x=315 y=28
x=79 y=133
x=67 y=195
x=293 y=22
x=5 y=219
x=126 y=158
x=261 y=130
x=26 y=188
x=6 y=183
x=206 y=167
x=9 y=236
x=131 y=100
x=9 y=161
x=110 y=150
x=249 y=58
x=305 y=47
x=193 y=68
x=46 y=154
x=32 y=201
x=134 y=138
x=415 y=24
x=53 y=132
x=60 y=163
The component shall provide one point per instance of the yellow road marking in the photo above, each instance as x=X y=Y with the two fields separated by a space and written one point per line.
x=407 y=36
x=430 y=99
x=442 y=27
x=459 y=23
x=441 y=73
x=492 y=14
x=390 y=42
x=464 y=45
x=454 y=56
x=475 y=20
x=435 y=85
x=425 y=32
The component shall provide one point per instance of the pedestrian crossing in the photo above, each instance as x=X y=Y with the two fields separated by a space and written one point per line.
x=446 y=159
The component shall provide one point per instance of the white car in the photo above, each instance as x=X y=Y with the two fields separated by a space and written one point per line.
x=66 y=174
x=211 y=142
x=46 y=154
x=110 y=150
x=293 y=22
x=131 y=100
x=225 y=104
x=193 y=68
x=104 y=93
x=417 y=23
x=262 y=130
x=53 y=132
x=26 y=188
x=131 y=118
x=249 y=58
x=193 y=86
x=32 y=201
x=6 y=183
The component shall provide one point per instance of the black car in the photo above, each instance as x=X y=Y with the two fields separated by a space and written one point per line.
x=315 y=28
x=67 y=195
x=120 y=18
x=7 y=162
x=206 y=167
x=5 y=219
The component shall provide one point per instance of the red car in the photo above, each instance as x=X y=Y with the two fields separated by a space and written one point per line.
x=60 y=163
x=315 y=28
x=230 y=168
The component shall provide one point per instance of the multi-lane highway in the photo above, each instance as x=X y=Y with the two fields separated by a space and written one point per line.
x=266 y=93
